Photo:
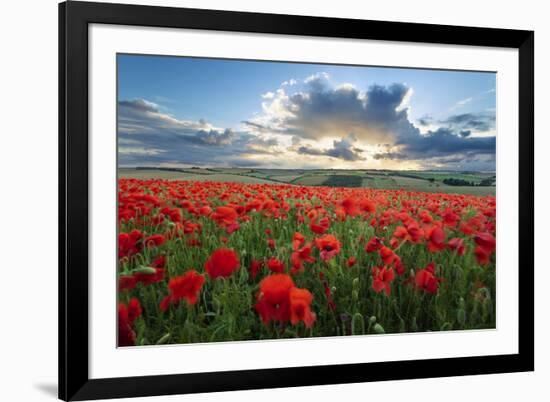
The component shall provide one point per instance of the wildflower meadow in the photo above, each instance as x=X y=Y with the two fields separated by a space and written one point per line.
x=216 y=262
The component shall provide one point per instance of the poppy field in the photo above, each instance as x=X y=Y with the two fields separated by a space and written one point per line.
x=204 y=261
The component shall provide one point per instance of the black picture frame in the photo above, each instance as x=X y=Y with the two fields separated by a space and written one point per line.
x=74 y=18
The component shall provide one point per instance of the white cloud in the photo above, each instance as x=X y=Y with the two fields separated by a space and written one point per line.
x=461 y=103
x=139 y=151
x=290 y=82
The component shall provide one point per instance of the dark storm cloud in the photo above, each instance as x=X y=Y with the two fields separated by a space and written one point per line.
x=139 y=116
x=445 y=147
x=321 y=110
x=176 y=148
x=471 y=121
x=149 y=136
x=425 y=120
x=444 y=141
x=342 y=149
x=212 y=137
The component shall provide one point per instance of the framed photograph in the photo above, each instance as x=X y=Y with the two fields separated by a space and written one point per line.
x=257 y=201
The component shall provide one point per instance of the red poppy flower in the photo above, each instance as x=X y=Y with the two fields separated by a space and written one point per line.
x=414 y=232
x=401 y=232
x=274 y=265
x=222 y=263
x=425 y=217
x=274 y=298
x=129 y=243
x=426 y=280
x=192 y=242
x=148 y=278
x=191 y=227
x=174 y=214
x=126 y=282
x=349 y=205
x=457 y=244
x=205 y=210
x=450 y=218
x=368 y=206
x=382 y=278
x=300 y=307
x=134 y=309
x=388 y=256
x=225 y=215
x=232 y=227
x=255 y=267
x=159 y=262
x=299 y=257
x=351 y=261
x=373 y=245
x=127 y=314
x=328 y=245
x=436 y=239
x=155 y=240
x=186 y=286
x=321 y=227
x=482 y=256
x=485 y=241
x=297 y=240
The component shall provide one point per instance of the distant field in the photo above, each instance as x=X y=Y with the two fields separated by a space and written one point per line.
x=171 y=175
x=426 y=181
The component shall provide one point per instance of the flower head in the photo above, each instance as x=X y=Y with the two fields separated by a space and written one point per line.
x=222 y=263
x=328 y=245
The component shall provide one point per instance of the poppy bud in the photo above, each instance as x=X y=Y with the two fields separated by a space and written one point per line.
x=355 y=284
x=372 y=320
x=357 y=324
x=379 y=329
x=163 y=339
x=142 y=269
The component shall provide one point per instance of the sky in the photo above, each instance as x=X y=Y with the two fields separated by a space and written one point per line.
x=182 y=112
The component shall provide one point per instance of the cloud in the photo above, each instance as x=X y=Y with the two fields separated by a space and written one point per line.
x=139 y=105
x=444 y=141
x=461 y=103
x=289 y=82
x=444 y=148
x=213 y=137
x=139 y=117
x=483 y=121
x=315 y=118
x=424 y=121
x=341 y=149
x=138 y=151
x=321 y=110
